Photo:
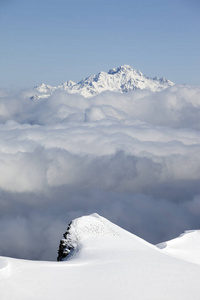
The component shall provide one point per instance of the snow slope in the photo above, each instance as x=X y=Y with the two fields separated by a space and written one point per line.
x=110 y=263
x=186 y=246
x=122 y=79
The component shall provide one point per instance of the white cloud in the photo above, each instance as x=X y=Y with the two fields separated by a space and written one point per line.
x=133 y=158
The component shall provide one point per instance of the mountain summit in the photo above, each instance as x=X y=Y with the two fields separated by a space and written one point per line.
x=106 y=262
x=121 y=80
x=93 y=235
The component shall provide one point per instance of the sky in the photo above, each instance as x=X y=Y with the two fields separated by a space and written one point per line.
x=54 y=41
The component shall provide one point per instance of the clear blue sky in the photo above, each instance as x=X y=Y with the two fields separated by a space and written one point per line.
x=52 y=41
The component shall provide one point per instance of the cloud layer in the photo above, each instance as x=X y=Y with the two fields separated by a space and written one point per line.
x=133 y=158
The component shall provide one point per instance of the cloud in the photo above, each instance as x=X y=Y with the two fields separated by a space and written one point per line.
x=134 y=158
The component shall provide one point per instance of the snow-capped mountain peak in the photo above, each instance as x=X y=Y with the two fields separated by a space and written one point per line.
x=45 y=88
x=67 y=85
x=122 y=79
x=124 y=69
x=97 y=234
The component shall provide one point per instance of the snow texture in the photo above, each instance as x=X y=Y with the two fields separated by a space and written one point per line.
x=186 y=246
x=85 y=229
x=110 y=264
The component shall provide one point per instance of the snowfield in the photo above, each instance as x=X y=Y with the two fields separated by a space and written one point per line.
x=110 y=263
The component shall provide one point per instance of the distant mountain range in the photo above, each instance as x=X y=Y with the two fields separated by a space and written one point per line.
x=121 y=80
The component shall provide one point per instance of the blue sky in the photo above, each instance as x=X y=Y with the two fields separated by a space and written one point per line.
x=53 y=41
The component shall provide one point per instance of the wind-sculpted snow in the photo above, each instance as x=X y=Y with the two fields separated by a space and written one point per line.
x=110 y=263
x=91 y=236
x=133 y=157
x=186 y=246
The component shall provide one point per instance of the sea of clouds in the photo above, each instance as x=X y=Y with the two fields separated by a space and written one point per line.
x=133 y=158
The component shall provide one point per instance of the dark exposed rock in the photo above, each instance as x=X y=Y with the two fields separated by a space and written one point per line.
x=66 y=245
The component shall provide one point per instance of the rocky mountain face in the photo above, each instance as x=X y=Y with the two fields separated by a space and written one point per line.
x=121 y=80
x=67 y=245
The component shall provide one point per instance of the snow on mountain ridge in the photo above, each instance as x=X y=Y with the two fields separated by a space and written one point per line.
x=186 y=246
x=45 y=88
x=122 y=79
x=108 y=266
x=66 y=85
x=81 y=229
x=99 y=234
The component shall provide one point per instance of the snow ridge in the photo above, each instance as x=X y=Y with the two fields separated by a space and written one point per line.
x=95 y=236
x=112 y=264
x=186 y=246
x=81 y=229
x=121 y=80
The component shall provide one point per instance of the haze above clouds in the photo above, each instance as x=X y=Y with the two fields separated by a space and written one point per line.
x=133 y=158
